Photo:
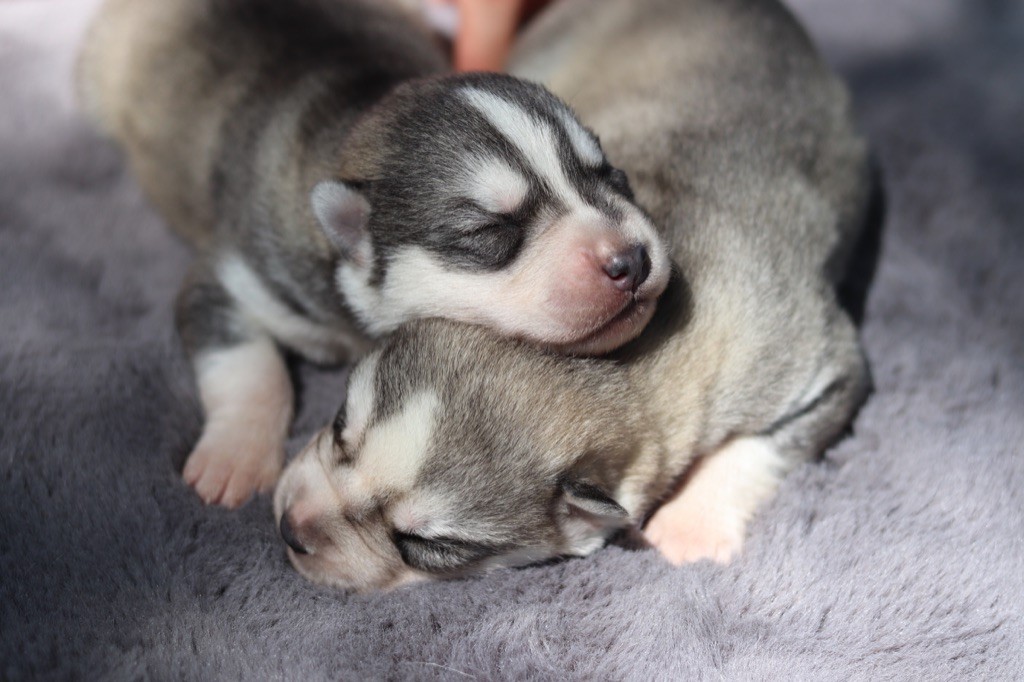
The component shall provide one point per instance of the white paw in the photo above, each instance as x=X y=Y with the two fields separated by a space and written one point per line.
x=684 y=540
x=228 y=467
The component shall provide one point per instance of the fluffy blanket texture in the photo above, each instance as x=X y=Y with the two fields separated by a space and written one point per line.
x=901 y=555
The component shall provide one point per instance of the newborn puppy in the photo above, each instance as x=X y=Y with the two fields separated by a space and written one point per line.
x=458 y=450
x=336 y=183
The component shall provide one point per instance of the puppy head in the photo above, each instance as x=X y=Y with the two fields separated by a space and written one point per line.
x=481 y=198
x=458 y=451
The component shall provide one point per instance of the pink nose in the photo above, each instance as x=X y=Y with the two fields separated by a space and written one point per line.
x=629 y=269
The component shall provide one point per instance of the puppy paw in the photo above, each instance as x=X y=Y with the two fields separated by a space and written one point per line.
x=684 y=540
x=227 y=468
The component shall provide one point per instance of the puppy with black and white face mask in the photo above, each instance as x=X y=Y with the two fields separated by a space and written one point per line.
x=337 y=182
x=459 y=451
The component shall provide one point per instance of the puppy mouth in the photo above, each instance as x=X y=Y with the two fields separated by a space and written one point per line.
x=621 y=328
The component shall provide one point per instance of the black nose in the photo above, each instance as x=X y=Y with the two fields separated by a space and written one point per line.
x=288 y=535
x=630 y=268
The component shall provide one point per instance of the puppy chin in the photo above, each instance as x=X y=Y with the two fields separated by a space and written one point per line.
x=615 y=333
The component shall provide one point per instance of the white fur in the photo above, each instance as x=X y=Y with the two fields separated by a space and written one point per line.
x=247 y=396
x=532 y=137
x=536 y=141
x=426 y=513
x=708 y=518
x=631 y=492
x=305 y=490
x=352 y=279
x=419 y=284
x=231 y=379
x=436 y=513
x=360 y=397
x=317 y=342
x=389 y=461
x=224 y=372
x=393 y=452
x=638 y=229
x=523 y=298
x=582 y=142
x=494 y=184
x=514 y=300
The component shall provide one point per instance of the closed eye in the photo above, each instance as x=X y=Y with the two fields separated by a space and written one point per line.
x=469 y=216
x=479 y=218
x=497 y=223
x=489 y=242
x=441 y=555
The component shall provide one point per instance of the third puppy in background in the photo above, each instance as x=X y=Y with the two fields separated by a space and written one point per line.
x=459 y=451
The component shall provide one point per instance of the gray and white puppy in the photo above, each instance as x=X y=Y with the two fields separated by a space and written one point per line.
x=458 y=450
x=336 y=183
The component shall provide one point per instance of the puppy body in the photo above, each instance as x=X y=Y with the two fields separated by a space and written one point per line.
x=336 y=183
x=739 y=143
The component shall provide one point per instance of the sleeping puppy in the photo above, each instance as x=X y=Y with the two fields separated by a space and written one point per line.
x=336 y=183
x=458 y=451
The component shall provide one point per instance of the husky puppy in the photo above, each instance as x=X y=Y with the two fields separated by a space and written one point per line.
x=458 y=450
x=335 y=183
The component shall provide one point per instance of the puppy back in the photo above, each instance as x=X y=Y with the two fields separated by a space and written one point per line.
x=198 y=92
x=738 y=140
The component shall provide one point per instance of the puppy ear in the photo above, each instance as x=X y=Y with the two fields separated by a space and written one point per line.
x=588 y=516
x=590 y=500
x=344 y=214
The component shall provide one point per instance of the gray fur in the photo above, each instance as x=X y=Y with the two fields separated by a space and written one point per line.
x=236 y=115
x=739 y=141
x=232 y=111
x=897 y=558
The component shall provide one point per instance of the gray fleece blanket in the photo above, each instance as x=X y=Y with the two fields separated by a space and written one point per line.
x=900 y=555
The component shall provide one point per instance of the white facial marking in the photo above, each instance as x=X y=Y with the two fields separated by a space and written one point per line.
x=532 y=137
x=360 y=398
x=494 y=184
x=536 y=141
x=420 y=284
x=259 y=304
x=394 y=450
x=516 y=300
x=425 y=512
x=352 y=279
x=550 y=291
x=582 y=142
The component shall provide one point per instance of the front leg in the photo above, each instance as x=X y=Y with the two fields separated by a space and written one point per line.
x=247 y=398
x=708 y=518
x=245 y=391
